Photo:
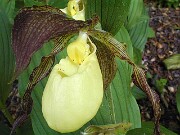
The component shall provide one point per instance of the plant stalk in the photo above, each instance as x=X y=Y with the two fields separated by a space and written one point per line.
x=111 y=105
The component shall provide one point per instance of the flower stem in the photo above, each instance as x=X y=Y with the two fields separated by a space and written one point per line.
x=111 y=105
x=6 y=113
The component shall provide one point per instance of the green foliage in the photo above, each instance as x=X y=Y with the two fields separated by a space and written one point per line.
x=137 y=93
x=6 y=54
x=30 y=3
x=6 y=58
x=160 y=84
x=56 y=3
x=169 y=3
x=147 y=129
x=112 y=13
x=119 y=129
x=173 y=62
x=178 y=99
x=123 y=98
x=4 y=129
x=137 y=56
x=137 y=24
x=25 y=129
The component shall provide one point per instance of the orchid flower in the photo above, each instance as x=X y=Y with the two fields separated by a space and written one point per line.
x=74 y=90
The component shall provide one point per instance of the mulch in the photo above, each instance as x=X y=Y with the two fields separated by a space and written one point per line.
x=166 y=24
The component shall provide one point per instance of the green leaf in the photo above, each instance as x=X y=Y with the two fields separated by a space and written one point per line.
x=112 y=13
x=25 y=129
x=137 y=56
x=30 y=3
x=138 y=24
x=58 y=4
x=114 y=129
x=147 y=129
x=164 y=130
x=126 y=107
x=178 y=99
x=10 y=10
x=4 y=129
x=173 y=62
x=151 y=32
x=160 y=84
x=9 y=6
x=138 y=93
x=6 y=55
x=135 y=11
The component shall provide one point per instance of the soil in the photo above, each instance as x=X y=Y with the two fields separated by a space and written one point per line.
x=166 y=24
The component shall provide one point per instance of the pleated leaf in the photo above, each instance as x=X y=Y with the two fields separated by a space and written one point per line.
x=178 y=99
x=56 y=3
x=6 y=55
x=137 y=24
x=30 y=3
x=173 y=62
x=147 y=129
x=9 y=6
x=135 y=12
x=4 y=129
x=36 y=25
x=26 y=129
x=112 y=13
x=138 y=93
x=117 y=129
x=126 y=107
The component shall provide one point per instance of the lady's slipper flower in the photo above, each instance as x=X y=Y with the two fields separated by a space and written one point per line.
x=74 y=90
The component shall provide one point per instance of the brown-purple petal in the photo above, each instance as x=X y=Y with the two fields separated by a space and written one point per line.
x=106 y=59
x=34 y=26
